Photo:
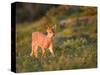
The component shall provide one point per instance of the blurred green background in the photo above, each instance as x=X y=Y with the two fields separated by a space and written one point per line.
x=75 y=41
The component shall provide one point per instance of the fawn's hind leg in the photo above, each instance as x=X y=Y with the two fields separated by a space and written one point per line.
x=34 y=51
x=43 y=55
x=31 y=54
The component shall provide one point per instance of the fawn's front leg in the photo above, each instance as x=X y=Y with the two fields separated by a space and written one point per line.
x=51 y=50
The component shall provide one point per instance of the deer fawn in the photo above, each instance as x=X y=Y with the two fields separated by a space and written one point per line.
x=43 y=41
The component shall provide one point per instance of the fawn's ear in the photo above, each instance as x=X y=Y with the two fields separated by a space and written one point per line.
x=54 y=27
x=48 y=27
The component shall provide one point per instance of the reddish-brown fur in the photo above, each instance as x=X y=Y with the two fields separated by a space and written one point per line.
x=43 y=41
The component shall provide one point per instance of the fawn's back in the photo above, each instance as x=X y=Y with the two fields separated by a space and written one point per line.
x=40 y=39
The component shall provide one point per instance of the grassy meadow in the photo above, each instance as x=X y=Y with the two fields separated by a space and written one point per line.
x=74 y=43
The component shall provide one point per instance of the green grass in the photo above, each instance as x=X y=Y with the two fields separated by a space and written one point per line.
x=74 y=52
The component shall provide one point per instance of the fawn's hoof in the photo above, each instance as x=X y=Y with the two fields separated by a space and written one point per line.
x=53 y=55
x=31 y=55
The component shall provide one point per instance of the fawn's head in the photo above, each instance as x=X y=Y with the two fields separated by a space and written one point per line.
x=51 y=31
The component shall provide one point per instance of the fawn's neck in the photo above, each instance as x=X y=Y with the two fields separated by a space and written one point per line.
x=49 y=37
